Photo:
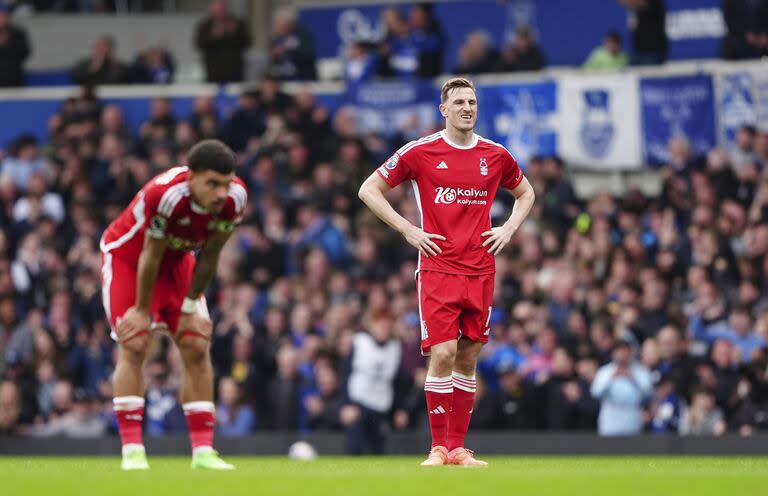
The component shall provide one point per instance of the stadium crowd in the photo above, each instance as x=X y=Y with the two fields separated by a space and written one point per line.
x=619 y=314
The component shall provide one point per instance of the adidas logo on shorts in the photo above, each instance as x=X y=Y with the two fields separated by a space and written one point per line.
x=437 y=411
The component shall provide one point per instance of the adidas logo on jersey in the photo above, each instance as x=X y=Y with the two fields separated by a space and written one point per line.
x=441 y=165
x=437 y=411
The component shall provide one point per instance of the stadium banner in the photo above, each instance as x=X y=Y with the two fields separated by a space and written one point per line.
x=521 y=117
x=677 y=107
x=694 y=27
x=742 y=99
x=599 y=121
x=391 y=107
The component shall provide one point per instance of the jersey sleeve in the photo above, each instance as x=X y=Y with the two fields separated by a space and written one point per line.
x=511 y=174
x=233 y=212
x=157 y=211
x=397 y=169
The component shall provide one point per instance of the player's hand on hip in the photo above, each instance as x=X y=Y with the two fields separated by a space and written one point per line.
x=422 y=241
x=132 y=323
x=498 y=238
x=197 y=323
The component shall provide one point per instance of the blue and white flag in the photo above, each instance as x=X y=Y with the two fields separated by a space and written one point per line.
x=520 y=117
x=742 y=99
x=599 y=121
x=677 y=107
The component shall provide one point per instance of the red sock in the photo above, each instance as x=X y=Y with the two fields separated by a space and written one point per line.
x=439 y=391
x=129 y=411
x=461 y=410
x=200 y=422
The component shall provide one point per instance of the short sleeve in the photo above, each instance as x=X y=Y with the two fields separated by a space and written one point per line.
x=511 y=175
x=157 y=217
x=235 y=208
x=396 y=170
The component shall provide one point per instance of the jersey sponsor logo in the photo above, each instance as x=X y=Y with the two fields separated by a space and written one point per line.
x=442 y=165
x=392 y=162
x=185 y=221
x=157 y=225
x=221 y=225
x=483 y=167
x=461 y=196
x=176 y=243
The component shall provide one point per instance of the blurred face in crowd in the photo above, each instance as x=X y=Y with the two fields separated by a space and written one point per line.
x=622 y=355
x=460 y=109
x=721 y=353
x=4 y=19
x=229 y=391
x=219 y=8
x=741 y=322
x=381 y=328
x=669 y=343
x=612 y=45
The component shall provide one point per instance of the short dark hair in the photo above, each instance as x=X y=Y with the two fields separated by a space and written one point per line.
x=212 y=155
x=613 y=36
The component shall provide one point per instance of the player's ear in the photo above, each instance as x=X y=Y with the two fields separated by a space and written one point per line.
x=442 y=110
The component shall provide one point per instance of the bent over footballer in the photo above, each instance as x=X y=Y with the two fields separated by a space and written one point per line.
x=152 y=280
x=455 y=175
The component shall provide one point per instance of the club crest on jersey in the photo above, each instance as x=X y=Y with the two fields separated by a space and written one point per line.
x=392 y=162
x=483 y=167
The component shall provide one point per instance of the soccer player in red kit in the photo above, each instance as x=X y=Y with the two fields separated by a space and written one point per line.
x=152 y=281
x=455 y=176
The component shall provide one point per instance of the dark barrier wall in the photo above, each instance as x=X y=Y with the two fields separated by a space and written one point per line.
x=489 y=443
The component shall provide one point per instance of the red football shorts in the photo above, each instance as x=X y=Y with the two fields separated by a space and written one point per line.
x=454 y=306
x=118 y=282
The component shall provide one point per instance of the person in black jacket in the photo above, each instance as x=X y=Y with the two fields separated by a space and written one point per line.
x=14 y=50
x=102 y=67
x=222 y=39
x=649 y=36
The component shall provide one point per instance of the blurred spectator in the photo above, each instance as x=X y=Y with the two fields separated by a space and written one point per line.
x=372 y=371
x=10 y=408
x=702 y=418
x=609 y=55
x=521 y=54
x=398 y=50
x=14 y=50
x=247 y=121
x=665 y=407
x=743 y=154
x=360 y=62
x=23 y=163
x=233 y=417
x=476 y=54
x=622 y=387
x=222 y=39
x=649 y=34
x=154 y=65
x=102 y=67
x=285 y=389
x=746 y=29
x=324 y=406
x=163 y=413
x=292 y=51
x=429 y=39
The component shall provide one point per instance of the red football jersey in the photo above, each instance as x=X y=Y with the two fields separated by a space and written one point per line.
x=164 y=209
x=455 y=187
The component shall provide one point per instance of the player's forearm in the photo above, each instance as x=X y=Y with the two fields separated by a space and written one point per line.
x=521 y=209
x=374 y=199
x=149 y=265
x=205 y=269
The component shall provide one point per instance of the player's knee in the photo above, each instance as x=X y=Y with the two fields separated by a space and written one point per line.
x=193 y=347
x=135 y=349
x=444 y=355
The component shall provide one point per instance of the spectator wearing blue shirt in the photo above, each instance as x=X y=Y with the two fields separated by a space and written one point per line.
x=399 y=48
x=233 y=417
x=739 y=333
x=360 y=63
x=428 y=38
x=622 y=386
x=23 y=163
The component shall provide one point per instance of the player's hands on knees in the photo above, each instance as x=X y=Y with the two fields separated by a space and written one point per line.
x=197 y=323
x=422 y=241
x=498 y=238
x=132 y=323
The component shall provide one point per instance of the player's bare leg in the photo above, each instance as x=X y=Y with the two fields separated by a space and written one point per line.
x=197 y=398
x=128 y=386
x=439 y=391
x=464 y=385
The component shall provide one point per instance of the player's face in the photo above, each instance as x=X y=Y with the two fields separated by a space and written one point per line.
x=210 y=189
x=460 y=109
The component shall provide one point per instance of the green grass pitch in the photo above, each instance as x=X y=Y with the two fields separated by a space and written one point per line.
x=391 y=476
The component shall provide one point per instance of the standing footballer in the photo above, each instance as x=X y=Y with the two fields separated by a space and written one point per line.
x=455 y=175
x=151 y=280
